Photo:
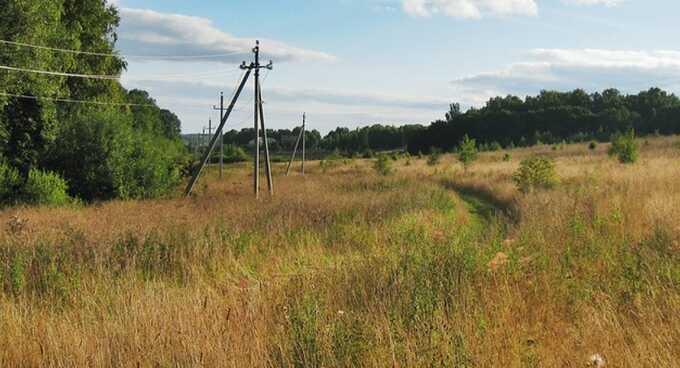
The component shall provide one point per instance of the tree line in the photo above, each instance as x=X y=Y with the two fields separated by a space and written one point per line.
x=342 y=140
x=553 y=117
x=122 y=146
x=548 y=118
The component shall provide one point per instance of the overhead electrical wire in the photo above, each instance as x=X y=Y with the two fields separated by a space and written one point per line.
x=159 y=57
x=61 y=74
x=68 y=100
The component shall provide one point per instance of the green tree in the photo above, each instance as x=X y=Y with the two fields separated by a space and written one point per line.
x=536 y=172
x=624 y=147
x=467 y=151
x=383 y=165
x=103 y=157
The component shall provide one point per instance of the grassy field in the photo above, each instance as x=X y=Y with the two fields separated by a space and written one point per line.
x=430 y=266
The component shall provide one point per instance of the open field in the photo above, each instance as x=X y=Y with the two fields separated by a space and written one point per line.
x=431 y=266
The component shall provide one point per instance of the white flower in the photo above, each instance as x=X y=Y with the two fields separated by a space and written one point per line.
x=596 y=360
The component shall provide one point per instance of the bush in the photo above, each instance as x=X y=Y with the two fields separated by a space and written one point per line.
x=467 y=152
x=435 y=157
x=102 y=157
x=45 y=188
x=507 y=157
x=535 y=173
x=383 y=165
x=624 y=147
x=10 y=182
x=592 y=146
x=234 y=154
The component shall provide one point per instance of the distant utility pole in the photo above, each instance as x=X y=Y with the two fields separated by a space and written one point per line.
x=301 y=137
x=259 y=113
x=221 y=109
x=259 y=117
x=304 y=141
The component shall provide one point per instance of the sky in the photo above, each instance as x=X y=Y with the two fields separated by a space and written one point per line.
x=354 y=63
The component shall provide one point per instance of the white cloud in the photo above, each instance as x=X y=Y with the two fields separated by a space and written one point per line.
x=595 y=2
x=565 y=69
x=475 y=9
x=470 y=9
x=148 y=32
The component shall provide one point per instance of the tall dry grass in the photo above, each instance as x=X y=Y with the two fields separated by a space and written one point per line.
x=432 y=266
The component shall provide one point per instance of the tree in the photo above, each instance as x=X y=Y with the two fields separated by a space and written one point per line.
x=454 y=110
x=102 y=157
x=467 y=151
x=624 y=147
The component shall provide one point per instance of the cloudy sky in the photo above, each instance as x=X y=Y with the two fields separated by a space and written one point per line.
x=359 y=62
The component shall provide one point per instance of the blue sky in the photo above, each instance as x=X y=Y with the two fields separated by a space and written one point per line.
x=358 y=62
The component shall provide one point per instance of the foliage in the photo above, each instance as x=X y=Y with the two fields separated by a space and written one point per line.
x=30 y=125
x=553 y=117
x=45 y=188
x=536 y=172
x=507 y=157
x=10 y=182
x=624 y=147
x=592 y=146
x=383 y=165
x=234 y=154
x=134 y=150
x=467 y=151
x=103 y=157
x=435 y=157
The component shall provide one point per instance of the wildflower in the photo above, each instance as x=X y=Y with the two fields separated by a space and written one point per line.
x=597 y=361
x=498 y=261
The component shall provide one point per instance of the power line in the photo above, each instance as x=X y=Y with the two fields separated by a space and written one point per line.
x=161 y=57
x=68 y=100
x=61 y=74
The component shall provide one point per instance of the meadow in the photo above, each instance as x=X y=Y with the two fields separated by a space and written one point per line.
x=433 y=265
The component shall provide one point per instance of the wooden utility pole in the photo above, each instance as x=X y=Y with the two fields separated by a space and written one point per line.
x=213 y=142
x=258 y=114
x=221 y=109
x=297 y=144
x=259 y=118
x=304 y=141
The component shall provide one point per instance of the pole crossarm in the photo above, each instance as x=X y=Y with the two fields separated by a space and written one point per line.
x=213 y=141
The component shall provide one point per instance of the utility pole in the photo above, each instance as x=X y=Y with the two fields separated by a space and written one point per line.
x=297 y=144
x=258 y=114
x=304 y=141
x=213 y=142
x=221 y=109
x=259 y=117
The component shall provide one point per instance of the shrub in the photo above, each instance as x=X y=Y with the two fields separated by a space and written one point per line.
x=495 y=146
x=624 y=147
x=537 y=172
x=10 y=181
x=435 y=157
x=592 y=146
x=234 y=154
x=467 y=152
x=507 y=157
x=45 y=188
x=102 y=157
x=383 y=165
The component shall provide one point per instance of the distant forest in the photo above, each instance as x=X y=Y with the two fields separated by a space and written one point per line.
x=550 y=117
